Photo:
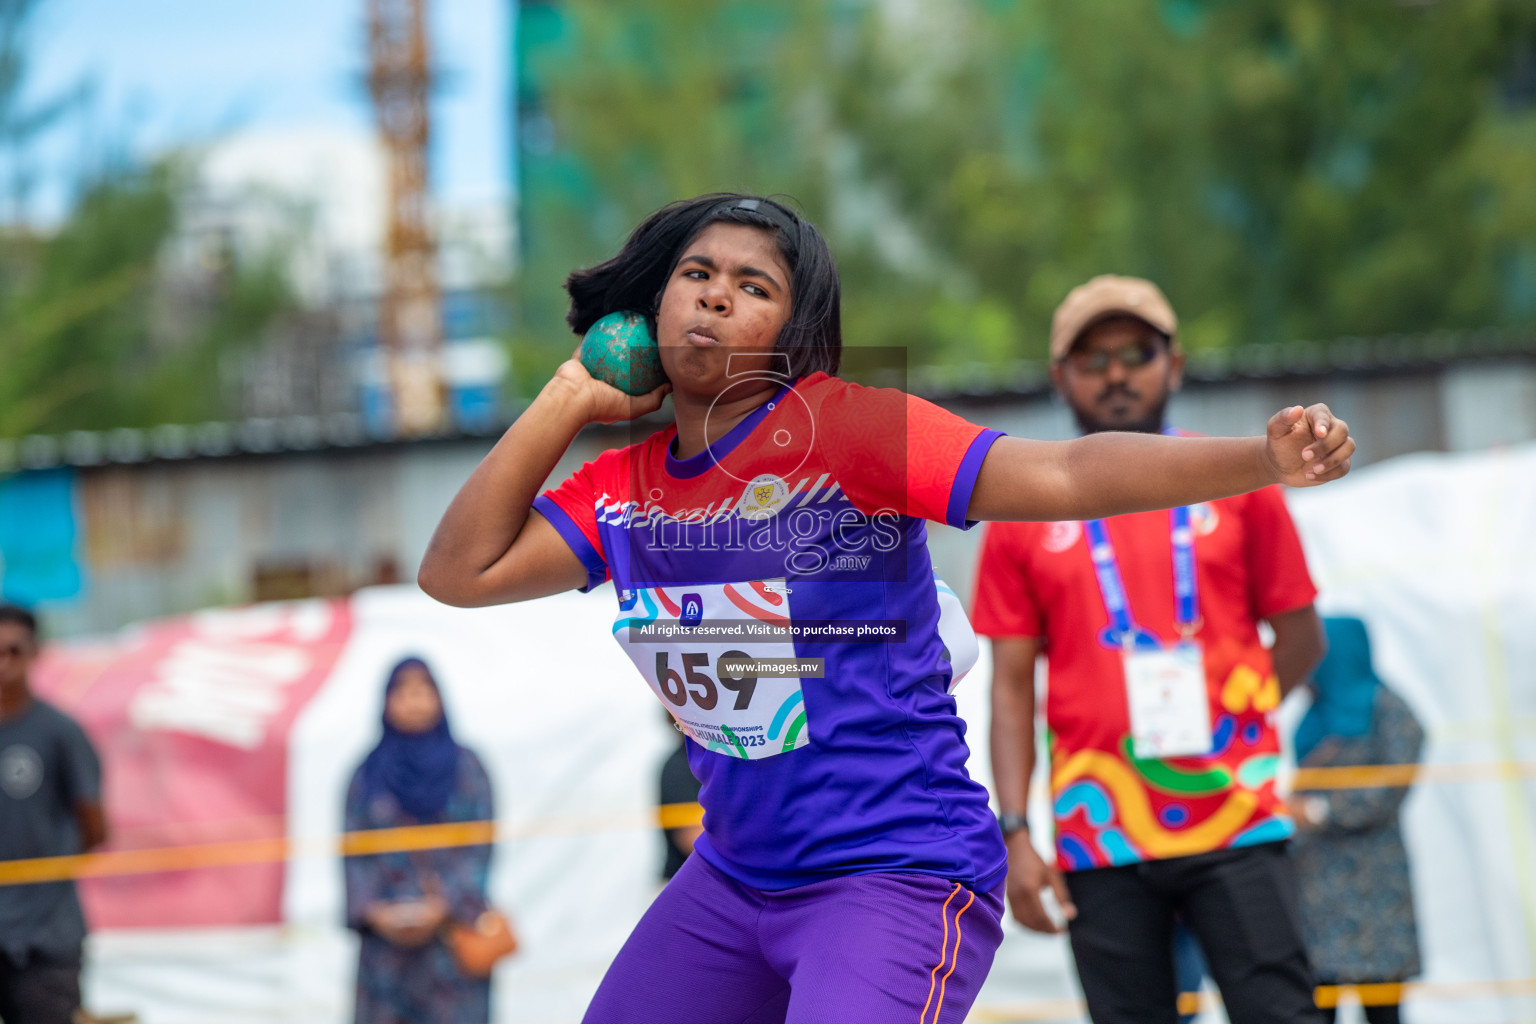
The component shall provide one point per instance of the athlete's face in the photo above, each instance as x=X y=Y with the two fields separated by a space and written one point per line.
x=1119 y=376
x=722 y=309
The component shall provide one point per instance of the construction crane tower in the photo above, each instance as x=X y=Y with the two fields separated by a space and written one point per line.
x=410 y=320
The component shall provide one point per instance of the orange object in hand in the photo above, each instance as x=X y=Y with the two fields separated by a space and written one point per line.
x=478 y=947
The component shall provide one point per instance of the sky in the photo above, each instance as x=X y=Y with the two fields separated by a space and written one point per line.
x=173 y=72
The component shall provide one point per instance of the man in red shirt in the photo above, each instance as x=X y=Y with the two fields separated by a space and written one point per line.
x=1160 y=702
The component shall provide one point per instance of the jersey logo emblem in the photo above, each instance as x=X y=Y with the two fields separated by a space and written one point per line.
x=1061 y=536
x=1204 y=519
x=764 y=496
x=693 y=610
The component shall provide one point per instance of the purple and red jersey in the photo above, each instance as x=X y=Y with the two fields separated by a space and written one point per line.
x=776 y=593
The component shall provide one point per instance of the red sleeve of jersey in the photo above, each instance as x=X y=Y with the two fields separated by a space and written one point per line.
x=894 y=452
x=572 y=510
x=1278 y=580
x=1005 y=604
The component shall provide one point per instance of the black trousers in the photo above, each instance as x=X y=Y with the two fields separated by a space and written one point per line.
x=1242 y=905
x=41 y=992
x=1386 y=1013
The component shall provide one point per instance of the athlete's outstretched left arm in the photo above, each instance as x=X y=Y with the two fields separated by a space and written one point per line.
x=1114 y=473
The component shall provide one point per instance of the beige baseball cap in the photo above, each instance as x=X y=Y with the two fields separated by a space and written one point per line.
x=1106 y=296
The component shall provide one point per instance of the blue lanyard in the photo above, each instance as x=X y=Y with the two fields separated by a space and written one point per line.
x=1186 y=586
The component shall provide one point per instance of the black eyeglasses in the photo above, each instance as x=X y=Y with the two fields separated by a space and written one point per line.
x=1133 y=356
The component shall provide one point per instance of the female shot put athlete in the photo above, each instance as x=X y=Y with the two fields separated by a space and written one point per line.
x=775 y=591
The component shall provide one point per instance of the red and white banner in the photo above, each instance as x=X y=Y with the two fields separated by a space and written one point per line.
x=191 y=717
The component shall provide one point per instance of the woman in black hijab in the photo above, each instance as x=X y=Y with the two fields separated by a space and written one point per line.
x=400 y=903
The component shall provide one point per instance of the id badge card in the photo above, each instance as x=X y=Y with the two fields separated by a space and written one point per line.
x=1170 y=712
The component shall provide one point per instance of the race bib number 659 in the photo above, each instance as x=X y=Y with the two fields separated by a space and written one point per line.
x=722 y=660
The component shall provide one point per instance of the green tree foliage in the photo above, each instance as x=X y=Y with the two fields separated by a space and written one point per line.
x=95 y=330
x=93 y=335
x=635 y=107
x=1284 y=168
x=23 y=118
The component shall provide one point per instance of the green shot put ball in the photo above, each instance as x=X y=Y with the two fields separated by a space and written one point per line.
x=619 y=350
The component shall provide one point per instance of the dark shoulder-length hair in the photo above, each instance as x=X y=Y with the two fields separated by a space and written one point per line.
x=634 y=279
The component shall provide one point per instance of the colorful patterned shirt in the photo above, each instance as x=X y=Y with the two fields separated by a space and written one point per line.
x=1111 y=807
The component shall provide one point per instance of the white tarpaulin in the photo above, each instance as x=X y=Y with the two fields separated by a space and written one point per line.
x=1435 y=552
x=1438 y=555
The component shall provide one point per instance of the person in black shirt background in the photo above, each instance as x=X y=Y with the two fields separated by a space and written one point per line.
x=50 y=806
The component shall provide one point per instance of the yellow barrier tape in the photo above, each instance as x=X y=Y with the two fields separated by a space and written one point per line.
x=189 y=856
x=1368 y=776
x=351 y=844
x=474 y=833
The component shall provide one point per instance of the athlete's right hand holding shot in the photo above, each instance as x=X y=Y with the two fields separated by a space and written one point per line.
x=769 y=555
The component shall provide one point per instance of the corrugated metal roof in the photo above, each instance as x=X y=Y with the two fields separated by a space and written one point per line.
x=1378 y=356
x=1383 y=356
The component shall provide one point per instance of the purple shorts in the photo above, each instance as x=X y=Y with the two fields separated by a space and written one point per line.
x=860 y=949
